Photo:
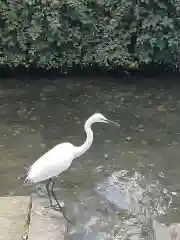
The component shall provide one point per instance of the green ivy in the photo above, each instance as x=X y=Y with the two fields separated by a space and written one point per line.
x=108 y=33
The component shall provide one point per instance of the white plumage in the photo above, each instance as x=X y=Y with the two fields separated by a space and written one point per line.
x=59 y=159
x=52 y=163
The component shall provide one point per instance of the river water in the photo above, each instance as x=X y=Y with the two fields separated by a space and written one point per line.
x=128 y=181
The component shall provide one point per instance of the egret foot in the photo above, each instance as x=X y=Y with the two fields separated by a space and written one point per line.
x=51 y=206
x=61 y=209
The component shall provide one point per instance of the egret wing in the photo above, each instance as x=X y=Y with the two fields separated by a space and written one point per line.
x=52 y=163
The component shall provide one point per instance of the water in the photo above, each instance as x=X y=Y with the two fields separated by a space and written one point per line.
x=128 y=182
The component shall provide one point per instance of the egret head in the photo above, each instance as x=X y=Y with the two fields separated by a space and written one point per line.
x=98 y=117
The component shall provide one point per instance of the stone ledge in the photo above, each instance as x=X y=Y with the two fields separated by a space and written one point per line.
x=13 y=216
x=45 y=223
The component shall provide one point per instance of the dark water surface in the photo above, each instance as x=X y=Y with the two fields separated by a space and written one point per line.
x=129 y=180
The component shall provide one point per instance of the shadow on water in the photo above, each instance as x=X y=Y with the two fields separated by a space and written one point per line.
x=127 y=185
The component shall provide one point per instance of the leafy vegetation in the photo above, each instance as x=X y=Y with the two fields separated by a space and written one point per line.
x=107 y=33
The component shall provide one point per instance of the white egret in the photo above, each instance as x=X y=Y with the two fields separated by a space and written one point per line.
x=59 y=159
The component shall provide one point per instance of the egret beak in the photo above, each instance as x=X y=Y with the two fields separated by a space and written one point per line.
x=111 y=122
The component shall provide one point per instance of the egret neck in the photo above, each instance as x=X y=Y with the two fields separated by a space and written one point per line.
x=86 y=145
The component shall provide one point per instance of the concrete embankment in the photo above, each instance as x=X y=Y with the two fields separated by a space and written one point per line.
x=22 y=219
x=13 y=217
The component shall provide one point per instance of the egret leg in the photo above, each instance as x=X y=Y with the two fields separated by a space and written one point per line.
x=58 y=204
x=54 y=196
x=48 y=191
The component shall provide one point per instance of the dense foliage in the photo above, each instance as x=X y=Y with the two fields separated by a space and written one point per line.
x=108 y=33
